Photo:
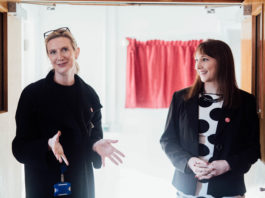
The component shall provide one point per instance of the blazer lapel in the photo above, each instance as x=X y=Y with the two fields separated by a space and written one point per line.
x=192 y=122
x=224 y=120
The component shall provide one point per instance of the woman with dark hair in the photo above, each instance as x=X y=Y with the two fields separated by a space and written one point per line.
x=212 y=129
x=59 y=133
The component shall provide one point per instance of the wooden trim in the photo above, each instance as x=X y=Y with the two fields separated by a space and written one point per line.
x=194 y=1
x=253 y=68
x=262 y=120
x=256 y=9
x=262 y=65
x=5 y=67
x=3 y=7
x=254 y=1
x=246 y=54
x=5 y=63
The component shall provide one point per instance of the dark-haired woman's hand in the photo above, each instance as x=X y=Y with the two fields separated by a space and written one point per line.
x=198 y=166
x=217 y=167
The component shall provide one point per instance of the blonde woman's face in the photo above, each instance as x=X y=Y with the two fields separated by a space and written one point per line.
x=206 y=67
x=62 y=56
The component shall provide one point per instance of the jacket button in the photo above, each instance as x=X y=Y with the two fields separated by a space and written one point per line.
x=218 y=147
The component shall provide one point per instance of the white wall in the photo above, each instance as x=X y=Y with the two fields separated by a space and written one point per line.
x=168 y=23
x=10 y=170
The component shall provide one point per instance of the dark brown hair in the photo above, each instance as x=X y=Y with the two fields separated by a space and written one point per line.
x=226 y=79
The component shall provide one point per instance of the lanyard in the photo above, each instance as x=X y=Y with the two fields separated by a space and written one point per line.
x=62 y=188
x=63 y=169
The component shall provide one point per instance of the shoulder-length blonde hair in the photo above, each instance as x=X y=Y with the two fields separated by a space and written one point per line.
x=226 y=79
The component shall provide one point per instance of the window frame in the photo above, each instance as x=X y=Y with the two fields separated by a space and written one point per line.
x=3 y=64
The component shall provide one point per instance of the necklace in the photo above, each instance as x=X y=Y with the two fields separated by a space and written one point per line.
x=208 y=98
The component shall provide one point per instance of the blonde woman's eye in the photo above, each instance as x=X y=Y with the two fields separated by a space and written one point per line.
x=52 y=52
x=65 y=49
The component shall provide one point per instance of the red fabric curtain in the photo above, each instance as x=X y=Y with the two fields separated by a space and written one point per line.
x=156 y=69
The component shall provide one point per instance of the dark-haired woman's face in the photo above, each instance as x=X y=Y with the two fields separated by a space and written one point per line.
x=206 y=67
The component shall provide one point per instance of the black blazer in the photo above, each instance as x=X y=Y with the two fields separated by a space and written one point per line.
x=236 y=141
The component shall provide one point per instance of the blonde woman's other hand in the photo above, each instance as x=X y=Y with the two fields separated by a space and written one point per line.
x=105 y=149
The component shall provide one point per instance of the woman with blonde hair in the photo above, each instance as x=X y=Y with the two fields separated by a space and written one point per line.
x=59 y=133
x=212 y=129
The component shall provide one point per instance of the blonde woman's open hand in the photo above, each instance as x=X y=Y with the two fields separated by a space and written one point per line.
x=57 y=148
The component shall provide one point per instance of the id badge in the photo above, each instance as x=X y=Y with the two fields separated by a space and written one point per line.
x=62 y=188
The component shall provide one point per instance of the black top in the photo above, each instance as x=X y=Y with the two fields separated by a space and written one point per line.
x=44 y=108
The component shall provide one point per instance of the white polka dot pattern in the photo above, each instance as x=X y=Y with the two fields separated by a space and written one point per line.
x=209 y=114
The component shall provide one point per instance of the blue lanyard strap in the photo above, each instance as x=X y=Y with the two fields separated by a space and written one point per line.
x=63 y=168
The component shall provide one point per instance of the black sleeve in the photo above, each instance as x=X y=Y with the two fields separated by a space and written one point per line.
x=28 y=147
x=96 y=134
x=170 y=138
x=250 y=152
